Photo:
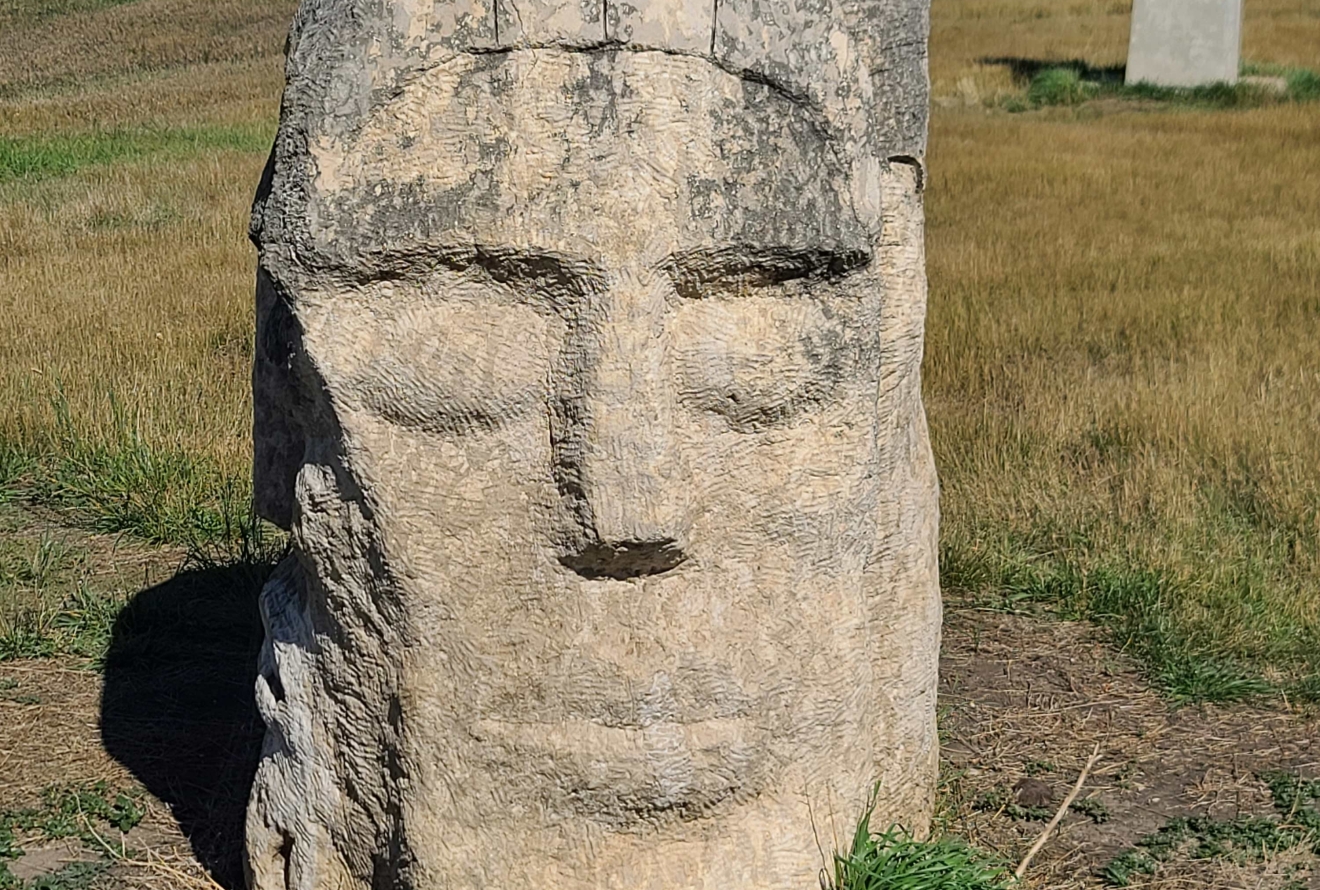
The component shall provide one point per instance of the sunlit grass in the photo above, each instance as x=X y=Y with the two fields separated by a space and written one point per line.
x=60 y=154
x=1123 y=359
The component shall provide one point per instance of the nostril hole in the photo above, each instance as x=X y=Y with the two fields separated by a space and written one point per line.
x=624 y=560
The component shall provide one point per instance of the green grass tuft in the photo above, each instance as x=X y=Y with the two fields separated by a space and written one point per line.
x=118 y=482
x=1060 y=86
x=1212 y=95
x=80 y=626
x=80 y=620
x=13 y=464
x=1303 y=85
x=1140 y=607
x=161 y=496
x=60 y=155
x=894 y=860
x=1071 y=83
x=46 y=609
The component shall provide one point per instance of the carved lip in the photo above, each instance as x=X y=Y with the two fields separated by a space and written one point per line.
x=620 y=774
x=593 y=692
x=677 y=755
x=624 y=746
x=585 y=736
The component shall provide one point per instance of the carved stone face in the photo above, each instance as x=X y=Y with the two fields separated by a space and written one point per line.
x=597 y=337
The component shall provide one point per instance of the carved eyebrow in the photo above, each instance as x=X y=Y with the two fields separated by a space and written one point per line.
x=761 y=266
x=506 y=264
x=502 y=263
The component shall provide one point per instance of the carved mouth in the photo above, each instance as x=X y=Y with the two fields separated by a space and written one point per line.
x=597 y=694
x=632 y=774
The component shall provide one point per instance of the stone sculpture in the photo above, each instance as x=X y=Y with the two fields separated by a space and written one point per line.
x=587 y=382
x=1184 y=43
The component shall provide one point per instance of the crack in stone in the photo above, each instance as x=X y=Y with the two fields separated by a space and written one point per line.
x=782 y=89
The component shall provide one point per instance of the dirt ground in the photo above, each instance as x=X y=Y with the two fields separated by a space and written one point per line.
x=1031 y=698
x=1022 y=698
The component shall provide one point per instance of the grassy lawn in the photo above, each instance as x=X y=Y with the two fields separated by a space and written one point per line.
x=1123 y=362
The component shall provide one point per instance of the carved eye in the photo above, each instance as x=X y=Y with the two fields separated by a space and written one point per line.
x=756 y=361
x=456 y=367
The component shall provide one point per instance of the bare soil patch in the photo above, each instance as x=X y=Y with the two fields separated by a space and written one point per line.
x=1028 y=699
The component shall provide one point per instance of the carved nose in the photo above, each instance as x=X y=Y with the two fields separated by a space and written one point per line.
x=620 y=450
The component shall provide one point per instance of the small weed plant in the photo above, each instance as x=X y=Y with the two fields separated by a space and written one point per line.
x=74 y=876
x=1000 y=800
x=1246 y=839
x=82 y=812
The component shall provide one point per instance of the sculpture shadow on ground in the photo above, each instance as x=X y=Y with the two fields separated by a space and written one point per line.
x=177 y=707
x=1024 y=70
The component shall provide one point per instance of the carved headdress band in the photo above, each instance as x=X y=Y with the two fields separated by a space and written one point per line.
x=860 y=63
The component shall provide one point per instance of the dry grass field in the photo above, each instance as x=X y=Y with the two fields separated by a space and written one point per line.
x=1124 y=348
x=1122 y=376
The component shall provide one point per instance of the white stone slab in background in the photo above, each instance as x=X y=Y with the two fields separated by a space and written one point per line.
x=1185 y=43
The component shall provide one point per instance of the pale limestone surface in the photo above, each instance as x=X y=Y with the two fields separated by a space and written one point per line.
x=1185 y=43
x=587 y=383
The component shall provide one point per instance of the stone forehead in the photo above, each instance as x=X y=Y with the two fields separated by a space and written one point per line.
x=620 y=151
x=860 y=64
